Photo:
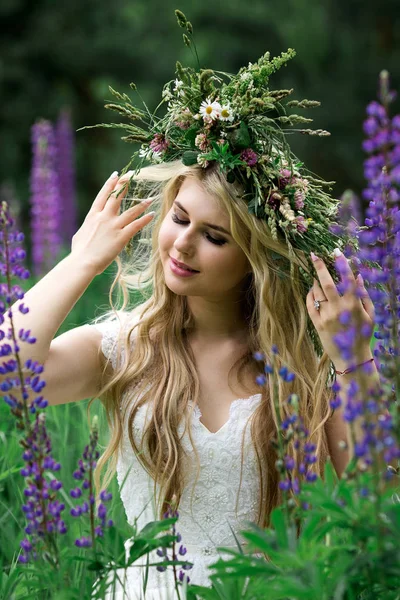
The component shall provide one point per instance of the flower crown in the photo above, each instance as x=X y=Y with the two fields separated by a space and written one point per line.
x=238 y=122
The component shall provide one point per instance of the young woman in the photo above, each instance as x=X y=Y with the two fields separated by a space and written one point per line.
x=219 y=282
x=177 y=373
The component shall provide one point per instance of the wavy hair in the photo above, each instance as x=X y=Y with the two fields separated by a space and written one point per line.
x=160 y=367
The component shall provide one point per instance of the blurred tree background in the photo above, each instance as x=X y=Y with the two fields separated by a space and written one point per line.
x=56 y=55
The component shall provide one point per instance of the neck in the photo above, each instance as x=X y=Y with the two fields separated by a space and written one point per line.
x=217 y=321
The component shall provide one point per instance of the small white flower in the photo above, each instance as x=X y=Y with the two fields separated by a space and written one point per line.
x=145 y=152
x=246 y=76
x=210 y=109
x=178 y=85
x=202 y=161
x=226 y=113
x=223 y=134
x=166 y=95
x=149 y=154
x=173 y=108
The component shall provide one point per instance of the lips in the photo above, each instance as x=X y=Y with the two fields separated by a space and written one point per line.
x=183 y=266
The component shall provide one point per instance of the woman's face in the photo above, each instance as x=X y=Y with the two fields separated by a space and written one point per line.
x=187 y=236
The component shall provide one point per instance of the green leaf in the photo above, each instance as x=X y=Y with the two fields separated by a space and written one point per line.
x=230 y=176
x=9 y=472
x=190 y=135
x=330 y=477
x=240 y=138
x=155 y=527
x=189 y=158
x=279 y=524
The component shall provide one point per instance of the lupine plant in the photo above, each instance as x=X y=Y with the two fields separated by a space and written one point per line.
x=84 y=473
x=162 y=552
x=46 y=203
x=65 y=142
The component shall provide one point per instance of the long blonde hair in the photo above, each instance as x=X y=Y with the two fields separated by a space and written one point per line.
x=160 y=366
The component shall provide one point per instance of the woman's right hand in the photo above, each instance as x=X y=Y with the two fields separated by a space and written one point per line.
x=105 y=232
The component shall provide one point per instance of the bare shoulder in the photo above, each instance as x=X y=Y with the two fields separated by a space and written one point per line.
x=74 y=368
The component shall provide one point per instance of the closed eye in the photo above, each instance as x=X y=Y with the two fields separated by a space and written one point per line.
x=217 y=242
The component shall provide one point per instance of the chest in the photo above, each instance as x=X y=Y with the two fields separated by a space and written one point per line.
x=213 y=366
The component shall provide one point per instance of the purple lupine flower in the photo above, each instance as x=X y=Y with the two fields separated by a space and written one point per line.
x=42 y=509
x=291 y=430
x=97 y=522
x=163 y=553
x=377 y=260
x=65 y=140
x=12 y=267
x=45 y=198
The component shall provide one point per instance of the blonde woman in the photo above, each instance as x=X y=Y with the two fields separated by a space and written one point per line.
x=177 y=374
x=223 y=265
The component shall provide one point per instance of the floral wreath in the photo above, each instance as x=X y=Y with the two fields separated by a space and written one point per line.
x=240 y=123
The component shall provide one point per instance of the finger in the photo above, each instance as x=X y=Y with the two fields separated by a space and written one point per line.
x=326 y=282
x=113 y=204
x=133 y=227
x=365 y=299
x=347 y=285
x=103 y=194
x=312 y=311
x=133 y=212
x=317 y=290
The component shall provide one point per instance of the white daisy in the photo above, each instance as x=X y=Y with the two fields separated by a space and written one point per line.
x=226 y=113
x=210 y=109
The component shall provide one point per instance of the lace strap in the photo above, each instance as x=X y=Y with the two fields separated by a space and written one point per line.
x=109 y=332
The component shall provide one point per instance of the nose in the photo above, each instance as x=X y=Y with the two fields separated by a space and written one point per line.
x=184 y=242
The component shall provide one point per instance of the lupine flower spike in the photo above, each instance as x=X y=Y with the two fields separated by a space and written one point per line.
x=65 y=140
x=295 y=453
x=45 y=198
x=163 y=553
x=97 y=520
x=42 y=509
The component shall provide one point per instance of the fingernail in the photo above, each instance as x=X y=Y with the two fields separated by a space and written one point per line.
x=114 y=174
x=337 y=252
x=360 y=279
x=313 y=257
x=148 y=201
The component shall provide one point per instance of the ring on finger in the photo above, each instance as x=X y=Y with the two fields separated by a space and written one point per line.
x=317 y=303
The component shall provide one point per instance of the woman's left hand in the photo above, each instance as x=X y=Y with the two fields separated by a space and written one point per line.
x=326 y=320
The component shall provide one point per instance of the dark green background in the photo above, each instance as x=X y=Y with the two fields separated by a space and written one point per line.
x=55 y=54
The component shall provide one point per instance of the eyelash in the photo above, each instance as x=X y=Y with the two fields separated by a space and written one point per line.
x=209 y=237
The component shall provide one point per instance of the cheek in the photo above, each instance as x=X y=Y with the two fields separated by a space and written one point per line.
x=228 y=266
x=165 y=235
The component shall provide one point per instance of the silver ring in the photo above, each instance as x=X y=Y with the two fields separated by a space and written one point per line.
x=318 y=302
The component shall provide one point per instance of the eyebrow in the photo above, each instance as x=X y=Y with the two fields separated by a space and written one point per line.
x=217 y=227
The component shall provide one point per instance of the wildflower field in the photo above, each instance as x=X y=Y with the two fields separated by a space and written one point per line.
x=330 y=539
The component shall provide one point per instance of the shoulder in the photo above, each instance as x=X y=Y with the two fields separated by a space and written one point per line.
x=114 y=328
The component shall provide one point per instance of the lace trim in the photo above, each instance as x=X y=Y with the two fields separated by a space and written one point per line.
x=236 y=405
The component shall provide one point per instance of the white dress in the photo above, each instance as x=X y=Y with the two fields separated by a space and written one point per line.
x=212 y=520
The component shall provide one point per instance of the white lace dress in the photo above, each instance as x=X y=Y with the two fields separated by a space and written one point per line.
x=212 y=520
